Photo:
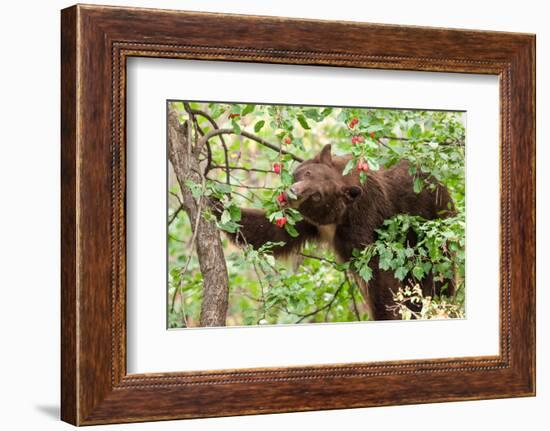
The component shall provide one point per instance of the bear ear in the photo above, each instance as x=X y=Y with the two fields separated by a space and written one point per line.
x=325 y=156
x=351 y=192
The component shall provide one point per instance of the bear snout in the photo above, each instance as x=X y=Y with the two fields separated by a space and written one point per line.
x=298 y=189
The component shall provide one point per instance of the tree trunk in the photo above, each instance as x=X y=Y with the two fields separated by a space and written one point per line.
x=207 y=238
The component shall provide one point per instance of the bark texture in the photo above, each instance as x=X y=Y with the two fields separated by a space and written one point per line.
x=208 y=244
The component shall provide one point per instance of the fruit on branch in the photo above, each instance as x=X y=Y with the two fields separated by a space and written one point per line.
x=362 y=166
x=280 y=221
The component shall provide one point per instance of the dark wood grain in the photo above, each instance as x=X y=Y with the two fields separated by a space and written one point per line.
x=96 y=41
x=69 y=397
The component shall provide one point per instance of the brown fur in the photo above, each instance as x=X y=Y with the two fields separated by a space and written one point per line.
x=331 y=202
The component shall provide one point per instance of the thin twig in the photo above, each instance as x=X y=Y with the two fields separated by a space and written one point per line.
x=173 y=238
x=224 y=145
x=248 y=135
x=384 y=144
x=193 y=239
x=355 y=309
x=262 y=290
x=174 y=214
x=244 y=186
x=353 y=288
x=324 y=259
x=398 y=138
x=242 y=168
x=327 y=305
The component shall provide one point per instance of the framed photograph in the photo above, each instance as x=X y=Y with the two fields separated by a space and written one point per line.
x=332 y=222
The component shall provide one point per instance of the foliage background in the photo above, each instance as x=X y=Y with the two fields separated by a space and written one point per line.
x=312 y=287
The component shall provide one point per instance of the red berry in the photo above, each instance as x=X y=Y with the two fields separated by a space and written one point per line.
x=287 y=140
x=362 y=166
x=360 y=139
x=281 y=198
x=277 y=168
x=281 y=221
x=372 y=135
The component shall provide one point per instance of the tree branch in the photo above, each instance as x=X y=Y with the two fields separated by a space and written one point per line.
x=175 y=214
x=396 y=138
x=217 y=132
x=323 y=259
x=242 y=168
x=208 y=243
x=324 y=307
x=353 y=288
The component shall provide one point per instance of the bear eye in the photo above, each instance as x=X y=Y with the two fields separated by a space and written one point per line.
x=316 y=197
x=307 y=174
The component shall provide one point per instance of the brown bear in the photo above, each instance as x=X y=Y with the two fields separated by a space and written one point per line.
x=343 y=213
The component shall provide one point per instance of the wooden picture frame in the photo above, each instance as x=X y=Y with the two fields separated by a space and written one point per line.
x=95 y=43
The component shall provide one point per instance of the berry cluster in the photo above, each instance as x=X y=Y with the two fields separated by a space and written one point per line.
x=362 y=166
x=281 y=198
x=357 y=139
x=353 y=122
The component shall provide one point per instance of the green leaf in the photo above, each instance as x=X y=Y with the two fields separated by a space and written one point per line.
x=220 y=188
x=373 y=164
x=366 y=273
x=295 y=214
x=275 y=215
x=248 y=109
x=384 y=263
x=303 y=122
x=401 y=273
x=348 y=168
x=418 y=272
x=195 y=188
x=236 y=127
x=259 y=126
x=415 y=131
x=286 y=178
x=291 y=230
x=291 y=195
x=235 y=212
x=418 y=185
x=230 y=226
x=226 y=217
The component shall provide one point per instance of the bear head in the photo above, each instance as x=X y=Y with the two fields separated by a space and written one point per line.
x=322 y=193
